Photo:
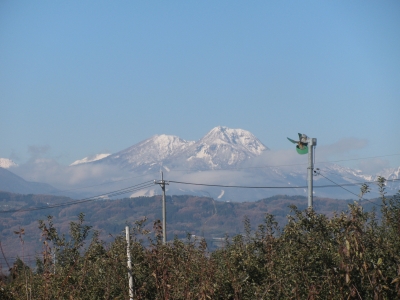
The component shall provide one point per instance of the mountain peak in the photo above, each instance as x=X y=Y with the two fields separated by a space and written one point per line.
x=224 y=147
x=165 y=141
x=239 y=137
x=220 y=147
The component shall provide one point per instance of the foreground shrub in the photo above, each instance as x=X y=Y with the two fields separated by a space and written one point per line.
x=351 y=255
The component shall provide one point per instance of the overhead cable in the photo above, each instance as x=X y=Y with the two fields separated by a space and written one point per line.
x=341 y=186
x=271 y=187
x=98 y=197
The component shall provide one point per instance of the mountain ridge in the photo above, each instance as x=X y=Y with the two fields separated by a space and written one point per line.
x=223 y=148
x=13 y=183
x=220 y=147
x=223 y=157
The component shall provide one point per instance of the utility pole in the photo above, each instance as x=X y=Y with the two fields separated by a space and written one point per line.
x=162 y=183
x=312 y=142
x=306 y=145
x=128 y=254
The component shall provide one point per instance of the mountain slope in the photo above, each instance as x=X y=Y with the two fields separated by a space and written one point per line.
x=90 y=159
x=10 y=182
x=226 y=156
x=220 y=148
x=223 y=147
x=148 y=153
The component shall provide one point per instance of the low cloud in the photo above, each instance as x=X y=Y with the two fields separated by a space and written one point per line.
x=64 y=177
x=281 y=167
x=288 y=160
x=40 y=167
x=291 y=160
x=38 y=151
x=14 y=156
x=342 y=147
x=373 y=165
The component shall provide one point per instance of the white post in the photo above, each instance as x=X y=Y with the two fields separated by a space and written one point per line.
x=164 y=210
x=54 y=261
x=128 y=253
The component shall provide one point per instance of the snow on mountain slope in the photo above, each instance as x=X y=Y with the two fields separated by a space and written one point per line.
x=90 y=159
x=391 y=173
x=213 y=158
x=239 y=138
x=220 y=148
x=152 y=151
x=7 y=163
x=345 y=172
x=354 y=175
x=224 y=147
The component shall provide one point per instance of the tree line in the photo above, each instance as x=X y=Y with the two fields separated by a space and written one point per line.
x=350 y=255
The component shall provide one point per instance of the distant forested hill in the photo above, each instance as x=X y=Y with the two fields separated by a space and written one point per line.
x=193 y=215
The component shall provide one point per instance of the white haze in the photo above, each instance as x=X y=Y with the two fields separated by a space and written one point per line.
x=99 y=178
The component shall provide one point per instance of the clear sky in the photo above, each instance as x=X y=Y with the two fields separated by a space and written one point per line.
x=84 y=77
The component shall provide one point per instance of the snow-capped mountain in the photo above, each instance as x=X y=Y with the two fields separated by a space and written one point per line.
x=226 y=156
x=90 y=159
x=7 y=163
x=220 y=148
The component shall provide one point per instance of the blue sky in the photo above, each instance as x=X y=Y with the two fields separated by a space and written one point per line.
x=84 y=77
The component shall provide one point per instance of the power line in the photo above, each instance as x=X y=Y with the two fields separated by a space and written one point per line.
x=110 y=194
x=271 y=187
x=348 y=190
x=239 y=186
x=336 y=174
x=338 y=185
x=150 y=183
x=100 y=184
x=227 y=169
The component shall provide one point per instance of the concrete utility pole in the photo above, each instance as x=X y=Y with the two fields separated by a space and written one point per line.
x=312 y=142
x=128 y=254
x=162 y=183
x=306 y=145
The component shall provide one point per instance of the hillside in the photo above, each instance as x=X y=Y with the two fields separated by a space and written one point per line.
x=198 y=216
x=13 y=183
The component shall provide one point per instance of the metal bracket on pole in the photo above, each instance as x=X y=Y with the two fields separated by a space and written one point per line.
x=162 y=183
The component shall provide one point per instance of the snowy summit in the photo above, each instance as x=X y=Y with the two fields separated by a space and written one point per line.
x=224 y=147
x=220 y=147
x=7 y=163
